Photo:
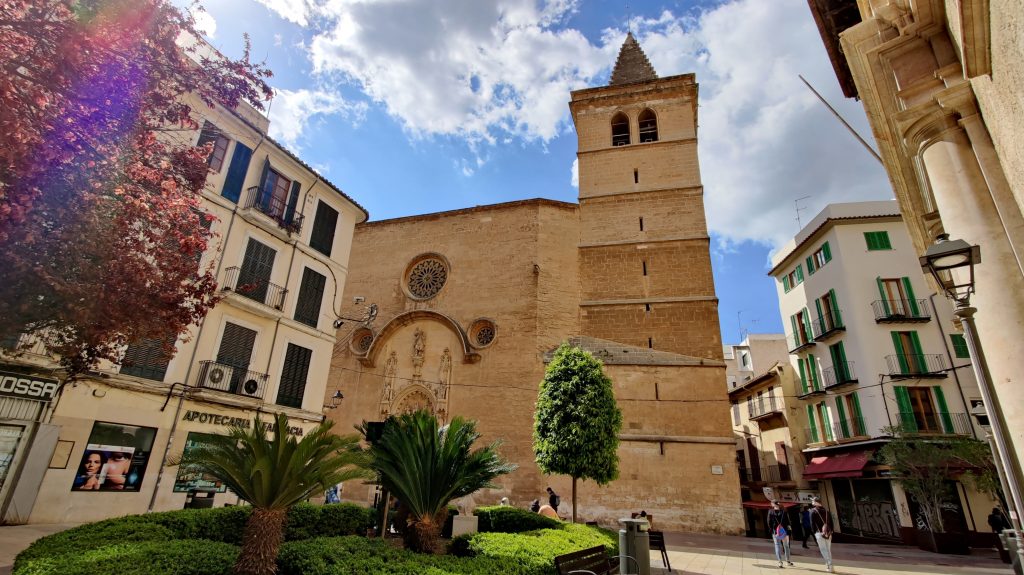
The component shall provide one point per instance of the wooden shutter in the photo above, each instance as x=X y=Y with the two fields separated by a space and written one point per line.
x=256 y=269
x=785 y=283
x=236 y=346
x=147 y=359
x=813 y=366
x=293 y=376
x=324 y=226
x=883 y=241
x=882 y=293
x=869 y=239
x=844 y=426
x=311 y=295
x=293 y=200
x=835 y=308
x=235 y=177
x=906 y=408
x=810 y=264
x=827 y=251
x=814 y=425
x=960 y=346
x=826 y=422
x=807 y=325
x=821 y=317
x=841 y=353
x=803 y=374
x=799 y=274
x=910 y=296
x=901 y=354
x=940 y=402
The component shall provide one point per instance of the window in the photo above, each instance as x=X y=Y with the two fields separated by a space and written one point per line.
x=235 y=177
x=745 y=359
x=908 y=352
x=856 y=417
x=186 y=480
x=817 y=418
x=923 y=409
x=826 y=421
x=211 y=133
x=793 y=278
x=960 y=346
x=760 y=402
x=236 y=346
x=648 y=126
x=254 y=276
x=735 y=413
x=324 y=225
x=822 y=256
x=809 y=379
x=115 y=458
x=840 y=367
x=274 y=193
x=148 y=358
x=829 y=317
x=898 y=297
x=311 y=294
x=750 y=406
x=293 y=376
x=801 y=324
x=620 y=129
x=877 y=241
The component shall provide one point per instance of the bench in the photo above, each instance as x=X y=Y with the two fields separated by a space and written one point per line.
x=593 y=561
x=657 y=540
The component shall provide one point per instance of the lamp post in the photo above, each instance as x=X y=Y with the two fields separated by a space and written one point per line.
x=951 y=263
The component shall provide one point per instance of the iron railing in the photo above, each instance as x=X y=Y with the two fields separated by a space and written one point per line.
x=904 y=365
x=275 y=207
x=256 y=289
x=935 y=423
x=837 y=430
x=839 y=374
x=231 y=379
x=901 y=310
x=764 y=407
x=799 y=341
x=827 y=325
x=776 y=473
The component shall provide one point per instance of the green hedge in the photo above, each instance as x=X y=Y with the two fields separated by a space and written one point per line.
x=182 y=557
x=505 y=519
x=534 y=551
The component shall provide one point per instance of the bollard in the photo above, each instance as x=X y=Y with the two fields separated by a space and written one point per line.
x=634 y=542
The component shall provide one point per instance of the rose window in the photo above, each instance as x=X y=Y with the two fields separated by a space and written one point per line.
x=427 y=278
x=481 y=333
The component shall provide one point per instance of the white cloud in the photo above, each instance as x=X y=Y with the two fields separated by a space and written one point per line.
x=205 y=23
x=291 y=112
x=291 y=10
x=575 y=173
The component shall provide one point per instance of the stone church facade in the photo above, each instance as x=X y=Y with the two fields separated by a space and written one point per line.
x=473 y=302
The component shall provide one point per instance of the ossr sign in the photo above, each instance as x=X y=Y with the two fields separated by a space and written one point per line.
x=27 y=386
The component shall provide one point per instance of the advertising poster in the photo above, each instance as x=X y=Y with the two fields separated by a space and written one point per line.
x=115 y=458
x=187 y=479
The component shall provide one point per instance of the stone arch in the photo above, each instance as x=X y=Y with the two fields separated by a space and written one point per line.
x=412 y=398
x=408 y=318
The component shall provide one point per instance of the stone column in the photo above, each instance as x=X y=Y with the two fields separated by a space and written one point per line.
x=964 y=202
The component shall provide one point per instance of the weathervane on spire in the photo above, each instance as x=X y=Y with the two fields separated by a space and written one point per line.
x=629 y=21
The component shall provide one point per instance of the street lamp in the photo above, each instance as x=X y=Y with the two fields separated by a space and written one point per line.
x=951 y=263
x=335 y=399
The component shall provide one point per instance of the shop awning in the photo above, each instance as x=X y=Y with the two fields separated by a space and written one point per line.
x=768 y=505
x=835 y=466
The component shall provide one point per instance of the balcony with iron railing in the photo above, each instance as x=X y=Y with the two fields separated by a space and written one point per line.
x=781 y=473
x=827 y=326
x=812 y=389
x=275 y=207
x=916 y=365
x=839 y=374
x=842 y=430
x=799 y=341
x=256 y=289
x=27 y=345
x=764 y=408
x=231 y=379
x=901 y=310
x=934 y=423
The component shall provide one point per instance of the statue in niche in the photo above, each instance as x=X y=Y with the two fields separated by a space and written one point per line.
x=390 y=373
x=419 y=346
x=415 y=401
x=444 y=374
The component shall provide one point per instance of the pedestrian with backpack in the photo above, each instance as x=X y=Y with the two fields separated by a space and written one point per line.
x=779 y=526
x=822 y=525
x=553 y=499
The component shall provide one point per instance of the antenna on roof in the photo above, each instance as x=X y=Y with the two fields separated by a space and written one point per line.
x=629 y=22
x=798 y=209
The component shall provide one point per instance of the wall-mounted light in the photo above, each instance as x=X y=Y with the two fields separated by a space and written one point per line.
x=335 y=399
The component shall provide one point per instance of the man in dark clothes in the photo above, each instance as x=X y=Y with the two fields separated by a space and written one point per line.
x=553 y=499
x=805 y=524
x=997 y=521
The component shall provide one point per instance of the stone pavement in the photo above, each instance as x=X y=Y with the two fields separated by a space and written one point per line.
x=692 y=554
x=15 y=538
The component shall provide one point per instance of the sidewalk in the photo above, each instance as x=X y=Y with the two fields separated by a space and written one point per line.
x=15 y=538
x=692 y=554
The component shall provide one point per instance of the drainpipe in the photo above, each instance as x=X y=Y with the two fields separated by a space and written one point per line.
x=959 y=387
x=170 y=438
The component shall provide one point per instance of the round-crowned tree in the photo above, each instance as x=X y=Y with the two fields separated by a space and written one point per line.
x=577 y=421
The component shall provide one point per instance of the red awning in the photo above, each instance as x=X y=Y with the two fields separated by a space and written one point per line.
x=835 y=466
x=767 y=504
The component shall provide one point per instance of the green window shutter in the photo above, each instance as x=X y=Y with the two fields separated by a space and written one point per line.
x=814 y=424
x=799 y=274
x=813 y=366
x=807 y=325
x=883 y=241
x=796 y=330
x=841 y=352
x=826 y=422
x=821 y=316
x=857 y=413
x=803 y=374
x=910 y=295
x=901 y=354
x=916 y=342
x=785 y=283
x=835 y=307
x=810 y=265
x=843 y=424
x=940 y=401
x=960 y=346
x=881 y=293
x=907 y=420
x=827 y=252
x=869 y=239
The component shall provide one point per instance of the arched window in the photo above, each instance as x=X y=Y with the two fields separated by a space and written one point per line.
x=620 y=129
x=648 y=126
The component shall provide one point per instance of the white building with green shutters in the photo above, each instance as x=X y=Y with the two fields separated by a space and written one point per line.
x=875 y=349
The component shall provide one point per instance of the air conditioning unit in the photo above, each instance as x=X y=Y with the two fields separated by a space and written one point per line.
x=217 y=376
x=250 y=387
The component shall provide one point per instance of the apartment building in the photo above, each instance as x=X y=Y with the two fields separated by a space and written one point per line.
x=769 y=427
x=97 y=448
x=872 y=351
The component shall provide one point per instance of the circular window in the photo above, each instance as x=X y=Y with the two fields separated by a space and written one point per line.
x=361 y=341
x=482 y=333
x=426 y=276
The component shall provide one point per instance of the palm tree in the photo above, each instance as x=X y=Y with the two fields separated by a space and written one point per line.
x=272 y=474
x=425 y=467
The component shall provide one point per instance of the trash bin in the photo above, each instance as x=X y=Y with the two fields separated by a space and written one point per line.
x=634 y=542
x=1012 y=545
x=199 y=499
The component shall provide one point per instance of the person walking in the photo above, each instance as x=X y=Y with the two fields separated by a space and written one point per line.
x=821 y=522
x=553 y=499
x=805 y=523
x=997 y=521
x=780 y=528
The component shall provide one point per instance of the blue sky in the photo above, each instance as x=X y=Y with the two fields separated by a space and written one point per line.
x=416 y=106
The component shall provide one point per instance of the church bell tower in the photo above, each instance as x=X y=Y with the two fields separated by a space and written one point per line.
x=645 y=264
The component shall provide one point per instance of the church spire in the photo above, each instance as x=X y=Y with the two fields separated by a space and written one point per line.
x=632 y=64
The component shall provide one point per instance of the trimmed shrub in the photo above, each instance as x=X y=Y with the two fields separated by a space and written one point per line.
x=94 y=536
x=534 y=551
x=184 y=557
x=505 y=519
